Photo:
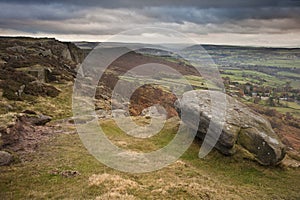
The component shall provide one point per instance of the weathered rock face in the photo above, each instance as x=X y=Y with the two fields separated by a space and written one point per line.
x=22 y=131
x=24 y=61
x=243 y=128
x=39 y=120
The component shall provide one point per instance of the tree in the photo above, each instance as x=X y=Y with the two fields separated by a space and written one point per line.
x=271 y=101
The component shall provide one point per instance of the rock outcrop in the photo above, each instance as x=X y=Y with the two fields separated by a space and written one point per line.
x=31 y=63
x=244 y=130
x=150 y=95
x=21 y=132
x=5 y=158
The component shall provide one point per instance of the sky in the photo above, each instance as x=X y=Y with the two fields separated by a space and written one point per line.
x=231 y=22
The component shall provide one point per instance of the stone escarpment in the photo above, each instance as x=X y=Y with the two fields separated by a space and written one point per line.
x=31 y=70
x=244 y=130
x=28 y=66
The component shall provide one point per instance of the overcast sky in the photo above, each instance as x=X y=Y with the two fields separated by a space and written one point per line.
x=235 y=22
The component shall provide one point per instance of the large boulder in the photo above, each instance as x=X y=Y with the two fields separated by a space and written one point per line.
x=244 y=130
x=39 y=120
x=21 y=132
x=5 y=158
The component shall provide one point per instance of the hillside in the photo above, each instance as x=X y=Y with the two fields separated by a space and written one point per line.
x=46 y=158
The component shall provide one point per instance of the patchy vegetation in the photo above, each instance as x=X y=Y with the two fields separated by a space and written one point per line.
x=215 y=177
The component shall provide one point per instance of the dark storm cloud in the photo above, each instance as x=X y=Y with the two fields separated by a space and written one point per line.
x=164 y=11
x=154 y=3
x=198 y=17
x=219 y=15
x=37 y=11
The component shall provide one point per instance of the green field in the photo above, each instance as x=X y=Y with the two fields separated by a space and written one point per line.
x=251 y=76
x=288 y=74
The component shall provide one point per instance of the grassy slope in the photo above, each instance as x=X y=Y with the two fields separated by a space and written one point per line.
x=59 y=107
x=215 y=177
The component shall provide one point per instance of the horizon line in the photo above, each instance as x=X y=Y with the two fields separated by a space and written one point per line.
x=208 y=44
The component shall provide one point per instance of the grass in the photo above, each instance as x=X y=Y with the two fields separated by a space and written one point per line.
x=291 y=107
x=137 y=144
x=284 y=110
x=58 y=108
x=194 y=81
x=253 y=77
x=295 y=83
x=275 y=61
x=264 y=59
x=214 y=177
x=288 y=74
